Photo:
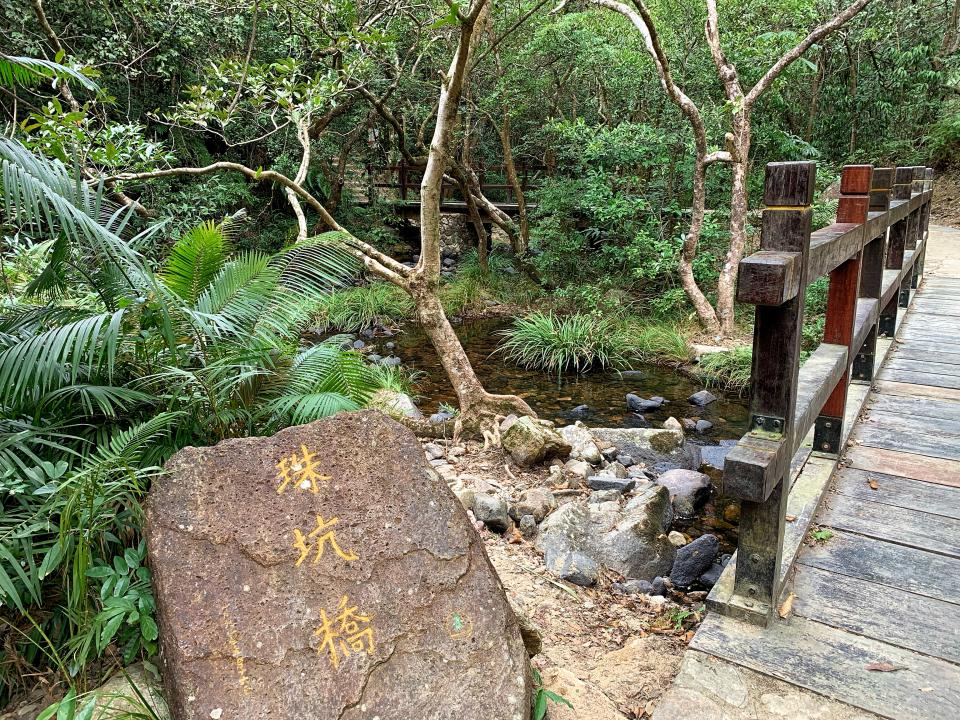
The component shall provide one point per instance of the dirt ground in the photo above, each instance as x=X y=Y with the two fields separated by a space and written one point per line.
x=946 y=198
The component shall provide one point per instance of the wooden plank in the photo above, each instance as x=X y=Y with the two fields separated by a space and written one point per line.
x=931 y=353
x=918 y=467
x=878 y=612
x=892 y=387
x=769 y=277
x=919 y=407
x=832 y=246
x=916 y=571
x=919 y=378
x=900 y=526
x=910 y=465
x=920 y=441
x=921 y=366
x=817 y=378
x=944 y=428
x=899 y=492
x=834 y=663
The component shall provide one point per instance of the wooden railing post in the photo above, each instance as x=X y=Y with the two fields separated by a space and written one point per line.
x=402 y=179
x=902 y=187
x=842 y=297
x=871 y=271
x=788 y=195
x=924 y=226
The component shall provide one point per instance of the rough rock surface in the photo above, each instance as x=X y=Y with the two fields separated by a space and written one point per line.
x=652 y=446
x=582 y=446
x=694 y=559
x=529 y=441
x=254 y=627
x=538 y=502
x=631 y=540
x=688 y=489
x=395 y=404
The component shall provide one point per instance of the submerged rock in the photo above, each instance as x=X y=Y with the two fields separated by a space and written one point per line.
x=652 y=446
x=702 y=398
x=641 y=405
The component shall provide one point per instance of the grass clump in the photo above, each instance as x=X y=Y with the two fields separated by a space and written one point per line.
x=664 y=344
x=357 y=308
x=728 y=370
x=575 y=343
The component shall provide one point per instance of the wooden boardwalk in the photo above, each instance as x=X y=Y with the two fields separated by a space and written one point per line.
x=875 y=617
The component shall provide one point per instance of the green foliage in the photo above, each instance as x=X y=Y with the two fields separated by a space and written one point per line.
x=659 y=343
x=108 y=365
x=355 y=309
x=543 y=697
x=729 y=370
x=574 y=343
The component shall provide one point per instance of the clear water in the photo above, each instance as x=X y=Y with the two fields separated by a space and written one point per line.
x=553 y=398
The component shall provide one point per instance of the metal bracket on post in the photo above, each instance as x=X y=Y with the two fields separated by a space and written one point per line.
x=826 y=434
x=863 y=366
x=768 y=426
x=904 y=300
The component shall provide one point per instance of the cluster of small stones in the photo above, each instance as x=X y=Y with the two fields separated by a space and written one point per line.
x=592 y=480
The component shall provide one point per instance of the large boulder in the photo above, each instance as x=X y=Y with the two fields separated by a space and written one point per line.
x=688 y=490
x=654 y=447
x=529 y=441
x=630 y=540
x=323 y=573
x=582 y=446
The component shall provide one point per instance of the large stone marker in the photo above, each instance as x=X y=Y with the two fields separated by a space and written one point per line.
x=327 y=573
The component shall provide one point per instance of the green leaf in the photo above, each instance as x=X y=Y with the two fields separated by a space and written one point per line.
x=148 y=628
x=68 y=706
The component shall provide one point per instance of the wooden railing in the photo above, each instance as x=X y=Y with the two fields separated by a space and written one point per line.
x=405 y=180
x=873 y=255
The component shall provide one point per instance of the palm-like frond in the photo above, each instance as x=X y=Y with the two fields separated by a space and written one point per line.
x=30 y=72
x=195 y=260
x=60 y=356
x=43 y=194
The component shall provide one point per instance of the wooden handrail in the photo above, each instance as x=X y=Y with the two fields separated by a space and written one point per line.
x=873 y=255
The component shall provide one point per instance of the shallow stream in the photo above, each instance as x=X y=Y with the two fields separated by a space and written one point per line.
x=604 y=392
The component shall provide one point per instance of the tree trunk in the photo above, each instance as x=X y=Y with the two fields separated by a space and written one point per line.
x=478 y=408
x=522 y=241
x=739 y=202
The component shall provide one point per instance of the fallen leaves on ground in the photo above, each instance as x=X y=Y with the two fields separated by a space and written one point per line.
x=872 y=482
x=786 y=607
x=883 y=667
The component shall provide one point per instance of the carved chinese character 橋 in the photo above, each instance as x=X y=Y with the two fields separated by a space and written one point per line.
x=349 y=632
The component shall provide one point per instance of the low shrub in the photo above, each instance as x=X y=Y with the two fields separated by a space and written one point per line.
x=357 y=308
x=729 y=370
x=659 y=343
x=562 y=344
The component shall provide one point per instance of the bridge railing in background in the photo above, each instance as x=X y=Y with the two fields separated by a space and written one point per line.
x=873 y=255
x=404 y=179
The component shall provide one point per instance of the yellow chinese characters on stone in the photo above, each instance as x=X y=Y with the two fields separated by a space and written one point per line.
x=349 y=632
x=301 y=471
x=317 y=539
